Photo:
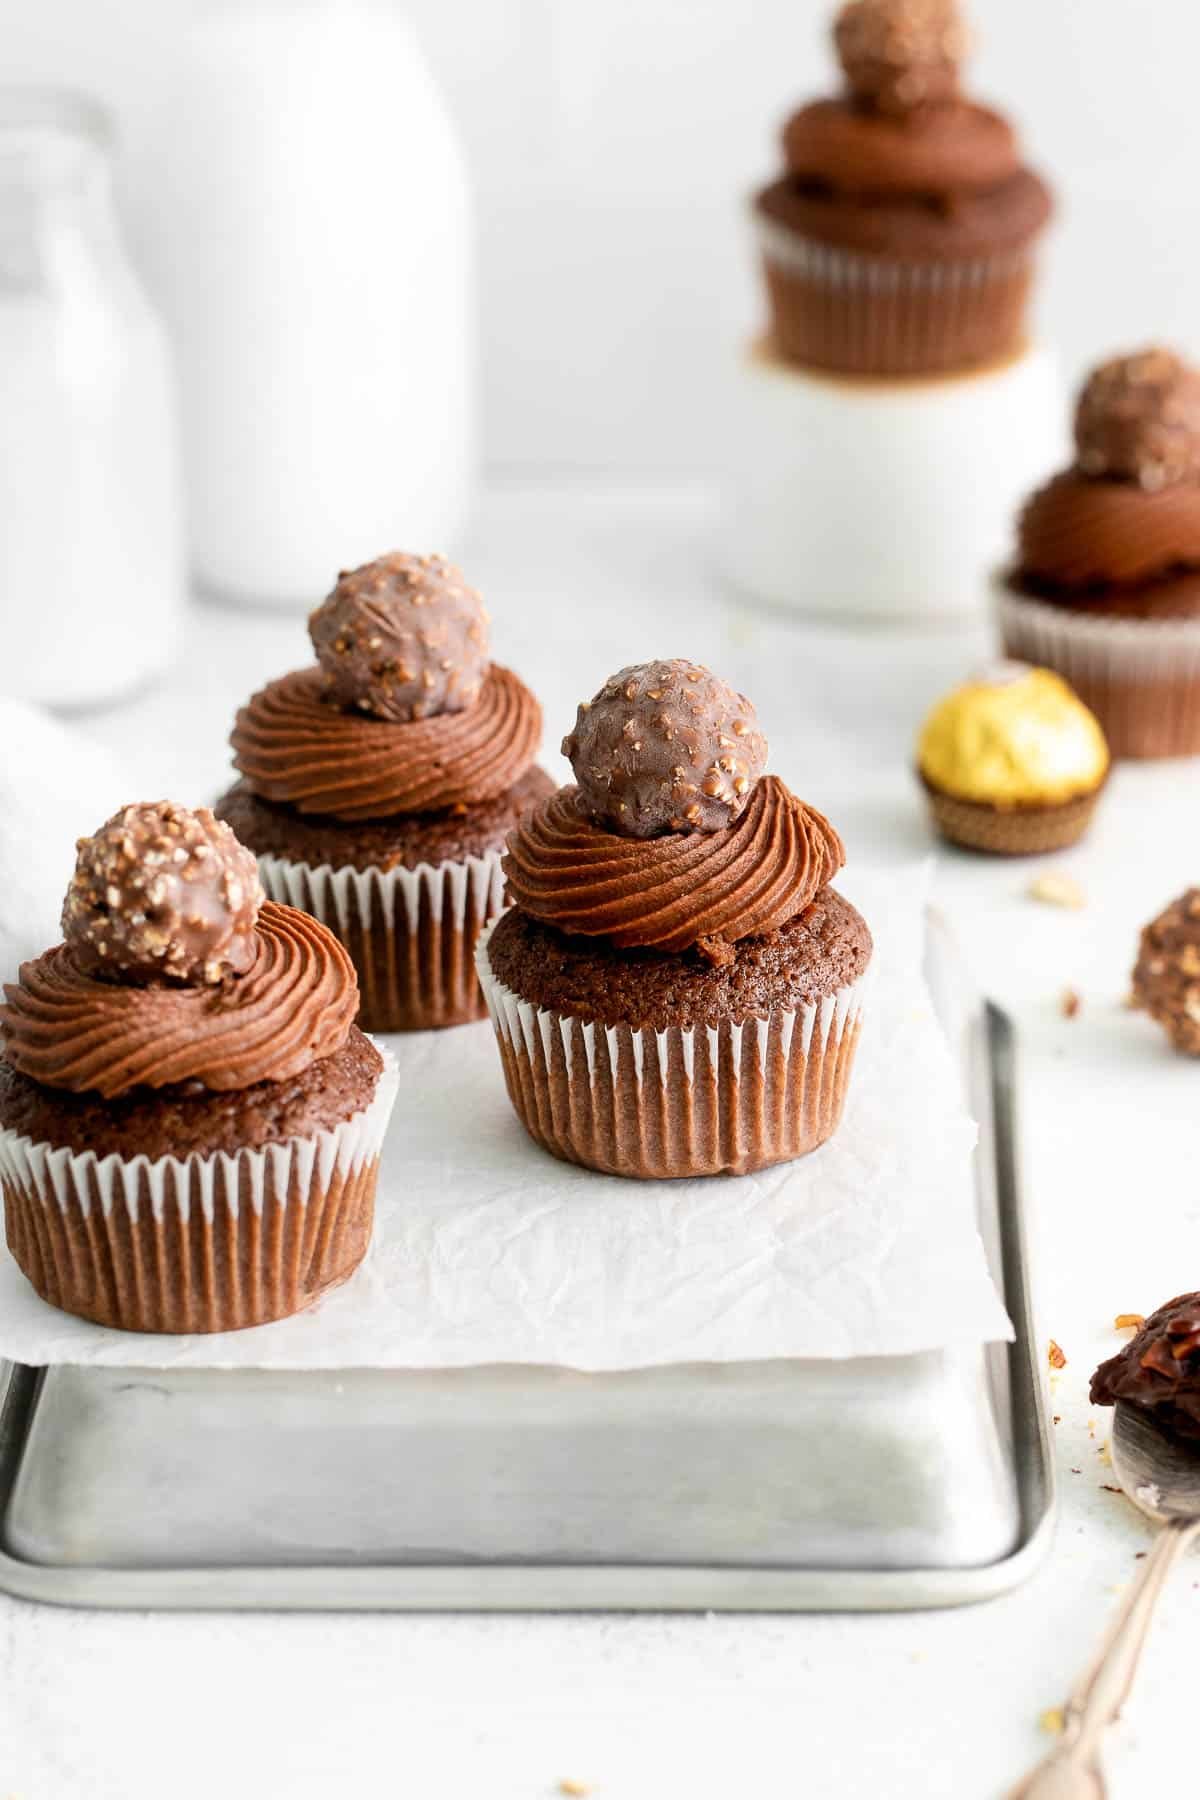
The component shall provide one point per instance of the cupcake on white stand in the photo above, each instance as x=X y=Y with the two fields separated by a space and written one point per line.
x=887 y=424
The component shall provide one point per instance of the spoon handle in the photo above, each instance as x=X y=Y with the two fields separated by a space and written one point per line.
x=1072 y=1770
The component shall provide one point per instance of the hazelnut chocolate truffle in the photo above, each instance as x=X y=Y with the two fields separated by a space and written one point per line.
x=378 y=786
x=897 y=55
x=190 y=1121
x=1159 y=1368
x=900 y=238
x=161 y=892
x=403 y=638
x=1105 y=585
x=665 y=747
x=1012 y=762
x=677 y=988
x=1166 y=977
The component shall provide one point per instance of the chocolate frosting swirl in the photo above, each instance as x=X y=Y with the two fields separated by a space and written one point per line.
x=292 y=1007
x=1077 y=532
x=294 y=746
x=709 y=888
x=937 y=151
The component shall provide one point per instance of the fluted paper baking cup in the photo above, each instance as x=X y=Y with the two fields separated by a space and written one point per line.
x=411 y=933
x=202 y=1243
x=856 y=313
x=1141 y=677
x=716 y=1100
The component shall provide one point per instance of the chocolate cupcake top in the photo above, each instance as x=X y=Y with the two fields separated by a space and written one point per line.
x=1166 y=977
x=672 y=836
x=1159 y=1369
x=403 y=713
x=1014 y=736
x=175 y=969
x=901 y=163
x=1126 y=514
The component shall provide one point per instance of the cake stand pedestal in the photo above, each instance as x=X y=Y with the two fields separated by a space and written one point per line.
x=884 y=500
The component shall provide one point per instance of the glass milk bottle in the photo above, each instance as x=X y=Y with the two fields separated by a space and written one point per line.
x=306 y=224
x=91 y=550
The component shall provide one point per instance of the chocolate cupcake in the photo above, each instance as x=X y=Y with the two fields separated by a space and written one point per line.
x=1159 y=1369
x=1166 y=977
x=190 y=1121
x=677 y=989
x=900 y=239
x=1106 y=583
x=378 y=786
x=1012 y=762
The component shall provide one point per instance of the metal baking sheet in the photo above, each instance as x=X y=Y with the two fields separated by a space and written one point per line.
x=792 y=1485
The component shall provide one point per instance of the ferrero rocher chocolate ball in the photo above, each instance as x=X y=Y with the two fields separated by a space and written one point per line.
x=402 y=638
x=900 y=54
x=665 y=746
x=1166 y=979
x=1138 y=419
x=163 y=892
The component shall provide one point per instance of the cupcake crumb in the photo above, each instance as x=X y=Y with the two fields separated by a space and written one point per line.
x=1052 y=1721
x=1129 y=1321
x=1057 y=1358
x=1070 y=1003
x=1056 y=889
x=579 y=1789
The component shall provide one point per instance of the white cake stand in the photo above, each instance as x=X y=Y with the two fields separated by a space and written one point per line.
x=884 y=500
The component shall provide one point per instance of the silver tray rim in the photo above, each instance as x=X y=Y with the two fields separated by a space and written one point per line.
x=611 y=1587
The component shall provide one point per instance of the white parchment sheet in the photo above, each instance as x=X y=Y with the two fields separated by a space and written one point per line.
x=488 y=1250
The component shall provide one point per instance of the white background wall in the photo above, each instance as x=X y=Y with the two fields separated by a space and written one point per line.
x=614 y=141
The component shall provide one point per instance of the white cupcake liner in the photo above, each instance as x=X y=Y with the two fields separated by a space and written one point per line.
x=724 y=1099
x=860 y=312
x=876 y=273
x=410 y=932
x=201 y=1243
x=1141 y=677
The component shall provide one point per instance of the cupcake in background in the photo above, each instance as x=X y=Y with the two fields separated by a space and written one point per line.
x=379 y=785
x=1012 y=762
x=1105 y=587
x=190 y=1121
x=677 y=989
x=900 y=240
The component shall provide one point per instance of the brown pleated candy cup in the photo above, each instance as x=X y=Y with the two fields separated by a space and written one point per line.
x=1011 y=831
x=660 y=1105
x=201 y=1244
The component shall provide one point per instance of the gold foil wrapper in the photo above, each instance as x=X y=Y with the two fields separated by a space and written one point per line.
x=1015 y=736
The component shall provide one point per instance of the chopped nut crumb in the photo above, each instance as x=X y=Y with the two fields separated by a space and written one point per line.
x=1058 y=1418
x=1057 y=1359
x=1129 y=1321
x=1070 y=1003
x=1052 y=1720
x=1056 y=889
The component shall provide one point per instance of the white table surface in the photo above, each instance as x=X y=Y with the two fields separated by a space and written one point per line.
x=140 y=1707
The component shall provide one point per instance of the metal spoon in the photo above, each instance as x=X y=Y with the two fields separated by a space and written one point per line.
x=1161 y=1475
